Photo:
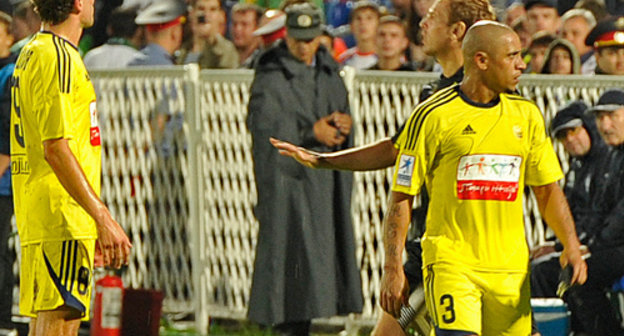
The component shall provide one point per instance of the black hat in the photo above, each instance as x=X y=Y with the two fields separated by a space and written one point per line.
x=607 y=33
x=303 y=21
x=548 y=3
x=609 y=101
x=570 y=116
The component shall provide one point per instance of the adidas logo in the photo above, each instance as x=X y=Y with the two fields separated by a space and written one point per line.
x=468 y=131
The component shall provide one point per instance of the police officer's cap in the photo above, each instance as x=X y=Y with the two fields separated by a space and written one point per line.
x=548 y=3
x=303 y=21
x=161 y=14
x=571 y=116
x=607 y=34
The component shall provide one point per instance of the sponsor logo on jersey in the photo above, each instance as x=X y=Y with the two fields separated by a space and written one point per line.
x=19 y=164
x=488 y=177
x=406 y=169
x=468 y=131
x=95 y=127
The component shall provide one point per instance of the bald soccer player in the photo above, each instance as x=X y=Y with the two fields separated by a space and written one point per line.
x=476 y=147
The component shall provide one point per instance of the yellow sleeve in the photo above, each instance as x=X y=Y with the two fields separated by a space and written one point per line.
x=52 y=88
x=418 y=144
x=542 y=165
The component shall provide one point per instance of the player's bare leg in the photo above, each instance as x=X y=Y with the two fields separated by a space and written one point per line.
x=32 y=325
x=64 y=321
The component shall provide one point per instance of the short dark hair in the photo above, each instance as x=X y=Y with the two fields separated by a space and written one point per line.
x=53 y=11
x=541 y=39
x=122 y=23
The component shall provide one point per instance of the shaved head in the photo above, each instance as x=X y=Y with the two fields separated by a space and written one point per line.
x=492 y=57
x=484 y=36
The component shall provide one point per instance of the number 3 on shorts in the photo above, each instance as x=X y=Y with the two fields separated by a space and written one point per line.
x=446 y=301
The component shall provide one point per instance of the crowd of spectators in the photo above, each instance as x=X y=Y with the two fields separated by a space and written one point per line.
x=571 y=37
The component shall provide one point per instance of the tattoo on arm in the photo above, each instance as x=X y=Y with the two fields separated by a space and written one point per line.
x=391 y=231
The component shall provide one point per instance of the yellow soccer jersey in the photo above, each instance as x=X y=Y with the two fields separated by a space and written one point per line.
x=52 y=98
x=475 y=160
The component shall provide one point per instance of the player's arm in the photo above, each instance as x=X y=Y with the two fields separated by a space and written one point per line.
x=374 y=156
x=114 y=244
x=396 y=222
x=555 y=210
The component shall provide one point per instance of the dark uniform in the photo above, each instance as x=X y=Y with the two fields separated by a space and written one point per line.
x=305 y=263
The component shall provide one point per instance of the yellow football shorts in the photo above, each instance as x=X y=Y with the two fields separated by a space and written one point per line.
x=464 y=301
x=55 y=274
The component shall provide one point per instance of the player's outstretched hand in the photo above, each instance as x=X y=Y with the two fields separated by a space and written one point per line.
x=306 y=157
x=113 y=243
x=394 y=291
x=573 y=257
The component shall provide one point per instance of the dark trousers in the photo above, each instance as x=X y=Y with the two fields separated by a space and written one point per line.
x=6 y=262
x=299 y=328
x=592 y=312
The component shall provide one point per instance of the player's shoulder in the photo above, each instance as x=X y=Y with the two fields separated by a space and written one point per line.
x=433 y=108
x=49 y=47
x=436 y=104
x=518 y=100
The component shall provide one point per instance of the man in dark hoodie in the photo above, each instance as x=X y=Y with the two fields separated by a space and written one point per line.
x=305 y=263
x=594 y=191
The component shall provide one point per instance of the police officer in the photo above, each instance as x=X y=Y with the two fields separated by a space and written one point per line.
x=305 y=263
x=163 y=22
x=607 y=39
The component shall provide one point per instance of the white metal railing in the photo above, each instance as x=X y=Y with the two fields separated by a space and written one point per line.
x=178 y=175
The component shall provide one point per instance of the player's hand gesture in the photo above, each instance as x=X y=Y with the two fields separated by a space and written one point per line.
x=306 y=157
x=112 y=242
x=573 y=256
x=394 y=291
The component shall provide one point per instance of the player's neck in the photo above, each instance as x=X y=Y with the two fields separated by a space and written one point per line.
x=451 y=61
x=70 y=29
x=477 y=90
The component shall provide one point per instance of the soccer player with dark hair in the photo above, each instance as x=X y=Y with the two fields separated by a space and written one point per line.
x=64 y=227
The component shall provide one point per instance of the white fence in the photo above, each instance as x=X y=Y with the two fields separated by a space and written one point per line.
x=178 y=175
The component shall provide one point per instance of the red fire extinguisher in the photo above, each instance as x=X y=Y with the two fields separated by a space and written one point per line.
x=107 y=307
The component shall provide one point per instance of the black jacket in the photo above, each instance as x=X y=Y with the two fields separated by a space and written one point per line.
x=608 y=230
x=584 y=181
x=305 y=263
